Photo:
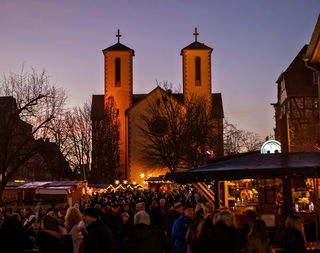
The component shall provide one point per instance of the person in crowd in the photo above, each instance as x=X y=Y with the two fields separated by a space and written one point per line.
x=33 y=230
x=293 y=237
x=257 y=238
x=172 y=215
x=72 y=220
x=202 y=239
x=99 y=237
x=250 y=215
x=208 y=210
x=193 y=228
x=140 y=207
x=158 y=213
x=126 y=228
x=2 y=217
x=180 y=228
x=54 y=238
x=224 y=237
x=12 y=238
x=114 y=221
x=147 y=239
x=215 y=216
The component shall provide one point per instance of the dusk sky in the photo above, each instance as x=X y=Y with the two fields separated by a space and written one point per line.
x=253 y=42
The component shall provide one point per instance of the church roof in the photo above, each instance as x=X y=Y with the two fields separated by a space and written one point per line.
x=98 y=104
x=217 y=106
x=196 y=45
x=118 y=47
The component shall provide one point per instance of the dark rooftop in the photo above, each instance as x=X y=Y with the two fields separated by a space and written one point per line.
x=118 y=47
x=97 y=107
x=196 y=45
x=253 y=165
x=297 y=77
x=216 y=102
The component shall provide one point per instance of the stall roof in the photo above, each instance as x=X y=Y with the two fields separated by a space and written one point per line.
x=156 y=179
x=99 y=186
x=39 y=184
x=253 y=165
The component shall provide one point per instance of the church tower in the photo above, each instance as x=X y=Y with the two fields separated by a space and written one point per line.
x=118 y=84
x=196 y=64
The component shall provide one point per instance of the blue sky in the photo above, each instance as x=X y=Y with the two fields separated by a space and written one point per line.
x=253 y=42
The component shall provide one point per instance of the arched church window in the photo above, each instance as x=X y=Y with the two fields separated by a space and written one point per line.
x=118 y=72
x=198 y=71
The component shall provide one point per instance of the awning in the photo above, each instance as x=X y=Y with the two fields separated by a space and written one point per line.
x=253 y=165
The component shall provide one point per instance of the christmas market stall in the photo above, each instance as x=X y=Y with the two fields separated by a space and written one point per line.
x=158 y=184
x=51 y=192
x=272 y=184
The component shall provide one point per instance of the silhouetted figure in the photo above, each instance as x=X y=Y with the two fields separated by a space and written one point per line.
x=147 y=239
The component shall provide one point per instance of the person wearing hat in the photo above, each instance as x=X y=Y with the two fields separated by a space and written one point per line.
x=99 y=237
x=180 y=227
x=54 y=238
x=174 y=211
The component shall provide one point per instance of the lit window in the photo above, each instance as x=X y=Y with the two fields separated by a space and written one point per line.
x=198 y=71
x=118 y=72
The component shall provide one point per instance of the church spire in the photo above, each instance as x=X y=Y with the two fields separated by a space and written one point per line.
x=118 y=35
x=195 y=34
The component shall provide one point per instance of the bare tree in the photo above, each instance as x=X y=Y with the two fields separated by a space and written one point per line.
x=238 y=141
x=105 y=138
x=178 y=135
x=201 y=137
x=79 y=139
x=164 y=129
x=31 y=103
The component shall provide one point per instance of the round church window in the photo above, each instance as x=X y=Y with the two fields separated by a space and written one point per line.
x=160 y=127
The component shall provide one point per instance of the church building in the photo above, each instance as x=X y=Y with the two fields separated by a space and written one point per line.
x=118 y=83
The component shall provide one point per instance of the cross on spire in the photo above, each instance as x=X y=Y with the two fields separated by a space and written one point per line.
x=118 y=35
x=195 y=34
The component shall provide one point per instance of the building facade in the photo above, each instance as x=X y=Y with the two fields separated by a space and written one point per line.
x=297 y=106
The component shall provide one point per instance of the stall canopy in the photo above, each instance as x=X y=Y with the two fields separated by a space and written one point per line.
x=253 y=165
x=63 y=185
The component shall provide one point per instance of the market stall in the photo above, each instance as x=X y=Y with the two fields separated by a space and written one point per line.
x=270 y=183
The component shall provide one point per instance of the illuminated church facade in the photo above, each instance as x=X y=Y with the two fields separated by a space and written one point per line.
x=118 y=83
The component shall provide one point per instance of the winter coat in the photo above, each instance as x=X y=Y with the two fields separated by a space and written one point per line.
x=98 y=238
x=12 y=239
x=51 y=242
x=170 y=219
x=292 y=241
x=179 y=230
x=224 y=239
x=147 y=239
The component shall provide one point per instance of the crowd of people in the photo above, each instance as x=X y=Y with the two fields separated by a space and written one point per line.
x=141 y=222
